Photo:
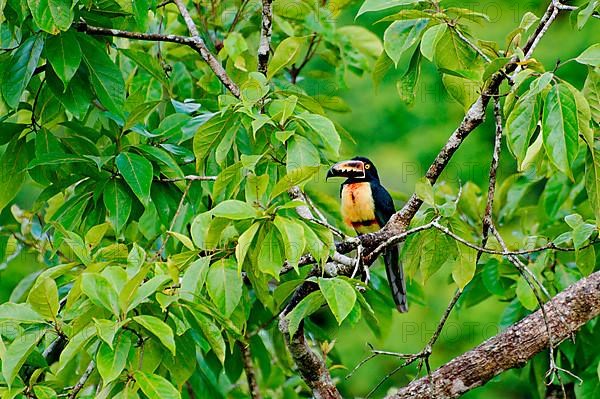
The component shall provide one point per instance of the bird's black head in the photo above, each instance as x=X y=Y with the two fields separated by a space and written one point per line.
x=355 y=169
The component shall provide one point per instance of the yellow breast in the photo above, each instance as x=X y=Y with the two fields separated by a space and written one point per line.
x=358 y=209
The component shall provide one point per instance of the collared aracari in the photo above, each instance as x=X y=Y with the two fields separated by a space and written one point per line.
x=366 y=207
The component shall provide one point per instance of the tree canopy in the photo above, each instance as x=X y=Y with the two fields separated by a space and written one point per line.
x=162 y=168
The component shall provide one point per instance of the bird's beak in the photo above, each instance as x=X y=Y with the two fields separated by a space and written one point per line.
x=351 y=168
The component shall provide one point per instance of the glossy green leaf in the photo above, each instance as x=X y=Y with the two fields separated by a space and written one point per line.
x=213 y=335
x=301 y=153
x=13 y=163
x=111 y=362
x=285 y=54
x=407 y=84
x=159 y=329
x=20 y=313
x=224 y=285
x=292 y=234
x=43 y=298
x=326 y=131
x=100 y=291
x=194 y=278
x=591 y=56
x=245 y=243
x=521 y=124
x=118 y=204
x=155 y=386
x=105 y=76
x=17 y=353
x=430 y=40
x=64 y=54
x=20 y=69
x=271 y=254
x=559 y=128
x=210 y=134
x=235 y=210
x=401 y=35
x=307 y=306
x=378 y=5
x=137 y=172
x=340 y=296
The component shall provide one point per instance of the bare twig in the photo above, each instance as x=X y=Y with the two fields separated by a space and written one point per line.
x=471 y=44
x=79 y=386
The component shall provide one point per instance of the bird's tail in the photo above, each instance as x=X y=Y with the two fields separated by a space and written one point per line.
x=395 y=276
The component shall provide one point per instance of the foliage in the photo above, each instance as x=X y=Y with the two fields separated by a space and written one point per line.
x=159 y=280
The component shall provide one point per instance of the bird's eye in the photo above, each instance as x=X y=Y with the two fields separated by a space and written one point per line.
x=367 y=166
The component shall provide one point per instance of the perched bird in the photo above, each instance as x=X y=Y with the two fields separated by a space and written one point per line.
x=366 y=207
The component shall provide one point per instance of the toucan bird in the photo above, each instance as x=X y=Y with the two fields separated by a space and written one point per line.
x=366 y=207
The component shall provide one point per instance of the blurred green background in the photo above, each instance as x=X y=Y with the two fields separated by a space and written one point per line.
x=402 y=141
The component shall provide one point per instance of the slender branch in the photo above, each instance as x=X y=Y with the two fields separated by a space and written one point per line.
x=578 y=304
x=265 y=36
x=194 y=42
x=189 y=178
x=79 y=386
x=237 y=16
x=471 y=44
x=249 y=370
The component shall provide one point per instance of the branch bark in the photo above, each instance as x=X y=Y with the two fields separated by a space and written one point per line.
x=249 y=370
x=265 y=36
x=566 y=313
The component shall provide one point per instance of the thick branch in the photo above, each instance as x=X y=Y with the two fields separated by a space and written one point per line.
x=566 y=312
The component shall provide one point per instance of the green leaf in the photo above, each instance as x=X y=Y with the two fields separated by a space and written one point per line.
x=107 y=329
x=44 y=392
x=526 y=295
x=100 y=292
x=144 y=291
x=297 y=177
x=270 y=255
x=159 y=329
x=20 y=69
x=301 y=153
x=407 y=84
x=137 y=172
x=235 y=210
x=64 y=54
x=560 y=129
x=213 y=335
x=224 y=285
x=20 y=313
x=118 y=204
x=294 y=241
x=62 y=13
x=378 y=5
x=463 y=268
x=155 y=386
x=340 y=296
x=453 y=54
x=430 y=39
x=17 y=353
x=149 y=63
x=244 y=243
x=13 y=163
x=210 y=134
x=591 y=56
x=591 y=91
x=521 y=124
x=43 y=298
x=326 y=130
x=401 y=35
x=111 y=362
x=581 y=233
x=42 y=15
x=285 y=54
x=592 y=181
x=74 y=347
x=194 y=278
x=105 y=76
x=586 y=260
x=424 y=190
x=307 y=306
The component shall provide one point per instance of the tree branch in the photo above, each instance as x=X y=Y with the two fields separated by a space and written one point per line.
x=195 y=42
x=566 y=313
x=265 y=36
x=249 y=370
